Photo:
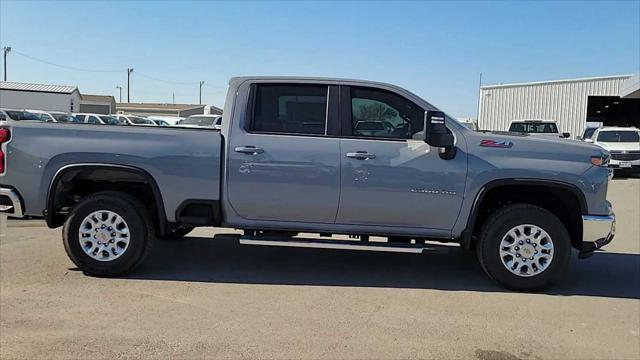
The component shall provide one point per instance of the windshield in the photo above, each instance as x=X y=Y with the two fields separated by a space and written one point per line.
x=110 y=120
x=198 y=120
x=589 y=133
x=64 y=118
x=534 y=128
x=140 y=121
x=621 y=136
x=161 y=122
x=22 y=115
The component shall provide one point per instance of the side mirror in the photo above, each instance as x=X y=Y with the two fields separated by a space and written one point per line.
x=566 y=135
x=435 y=132
x=588 y=140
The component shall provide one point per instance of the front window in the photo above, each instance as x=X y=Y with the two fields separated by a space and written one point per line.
x=64 y=118
x=382 y=114
x=198 y=120
x=290 y=109
x=534 y=128
x=110 y=120
x=621 y=136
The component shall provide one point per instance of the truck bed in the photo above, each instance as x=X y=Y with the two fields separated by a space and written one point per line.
x=185 y=163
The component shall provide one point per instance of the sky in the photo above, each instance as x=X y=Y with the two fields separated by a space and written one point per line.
x=434 y=49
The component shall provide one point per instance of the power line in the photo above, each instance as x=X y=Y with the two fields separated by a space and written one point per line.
x=63 y=66
x=166 y=81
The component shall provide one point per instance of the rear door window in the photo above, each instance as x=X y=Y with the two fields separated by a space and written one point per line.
x=290 y=109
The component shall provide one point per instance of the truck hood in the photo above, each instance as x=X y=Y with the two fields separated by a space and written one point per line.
x=533 y=147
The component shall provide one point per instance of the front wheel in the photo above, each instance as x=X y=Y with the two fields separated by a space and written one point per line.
x=107 y=234
x=524 y=247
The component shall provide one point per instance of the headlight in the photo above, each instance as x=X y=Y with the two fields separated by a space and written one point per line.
x=602 y=160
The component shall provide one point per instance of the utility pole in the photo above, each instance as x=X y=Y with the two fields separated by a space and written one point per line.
x=119 y=88
x=200 y=101
x=173 y=98
x=6 y=50
x=129 y=71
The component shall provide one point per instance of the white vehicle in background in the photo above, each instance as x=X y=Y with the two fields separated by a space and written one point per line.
x=210 y=121
x=469 y=123
x=170 y=120
x=18 y=115
x=98 y=119
x=134 y=120
x=537 y=127
x=54 y=116
x=623 y=143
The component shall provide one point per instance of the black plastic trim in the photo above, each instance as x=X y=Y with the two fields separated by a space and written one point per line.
x=49 y=215
x=206 y=219
x=471 y=221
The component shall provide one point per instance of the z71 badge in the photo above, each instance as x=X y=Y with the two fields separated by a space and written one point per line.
x=496 y=143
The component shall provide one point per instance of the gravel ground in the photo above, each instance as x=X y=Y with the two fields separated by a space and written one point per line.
x=203 y=298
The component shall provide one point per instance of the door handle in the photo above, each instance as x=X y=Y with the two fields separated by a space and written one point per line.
x=252 y=150
x=361 y=155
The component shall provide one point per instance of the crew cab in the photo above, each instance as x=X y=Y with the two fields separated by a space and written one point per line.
x=292 y=158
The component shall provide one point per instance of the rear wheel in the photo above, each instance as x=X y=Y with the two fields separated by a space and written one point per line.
x=107 y=234
x=524 y=247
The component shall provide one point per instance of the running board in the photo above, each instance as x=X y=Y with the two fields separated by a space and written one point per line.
x=333 y=244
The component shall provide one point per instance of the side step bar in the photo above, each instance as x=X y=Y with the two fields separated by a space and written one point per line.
x=332 y=244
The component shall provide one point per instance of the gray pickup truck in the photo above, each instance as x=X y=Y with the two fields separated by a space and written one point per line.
x=314 y=155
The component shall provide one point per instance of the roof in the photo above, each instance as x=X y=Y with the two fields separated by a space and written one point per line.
x=618 y=128
x=160 y=106
x=97 y=98
x=17 y=86
x=557 y=81
x=533 y=121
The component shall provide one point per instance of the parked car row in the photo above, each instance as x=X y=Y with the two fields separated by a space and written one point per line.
x=211 y=121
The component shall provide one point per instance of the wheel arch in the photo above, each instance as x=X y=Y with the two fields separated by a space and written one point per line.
x=99 y=172
x=475 y=219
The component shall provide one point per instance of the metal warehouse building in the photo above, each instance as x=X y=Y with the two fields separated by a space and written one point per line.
x=609 y=100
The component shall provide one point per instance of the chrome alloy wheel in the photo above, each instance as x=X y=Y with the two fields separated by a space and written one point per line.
x=104 y=235
x=526 y=250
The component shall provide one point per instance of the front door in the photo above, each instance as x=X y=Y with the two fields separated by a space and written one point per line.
x=283 y=165
x=388 y=178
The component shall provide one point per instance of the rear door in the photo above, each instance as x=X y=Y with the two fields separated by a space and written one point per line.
x=284 y=162
x=388 y=178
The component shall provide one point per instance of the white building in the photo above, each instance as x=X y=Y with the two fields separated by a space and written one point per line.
x=16 y=95
x=611 y=100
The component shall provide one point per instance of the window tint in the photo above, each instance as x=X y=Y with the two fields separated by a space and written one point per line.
x=93 y=120
x=293 y=109
x=80 y=117
x=382 y=114
x=3 y=116
x=619 y=136
x=588 y=133
x=534 y=128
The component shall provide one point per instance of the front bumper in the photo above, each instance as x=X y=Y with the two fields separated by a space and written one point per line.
x=10 y=203
x=597 y=231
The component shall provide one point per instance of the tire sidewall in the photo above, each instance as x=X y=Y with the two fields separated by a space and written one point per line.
x=544 y=219
x=137 y=230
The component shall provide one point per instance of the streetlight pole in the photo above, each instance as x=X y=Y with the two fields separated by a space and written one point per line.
x=200 y=101
x=120 y=88
x=6 y=50
x=129 y=71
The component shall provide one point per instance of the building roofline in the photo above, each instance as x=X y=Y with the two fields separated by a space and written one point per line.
x=625 y=76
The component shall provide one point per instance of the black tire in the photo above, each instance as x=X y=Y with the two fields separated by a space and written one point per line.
x=134 y=214
x=177 y=233
x=497 y=226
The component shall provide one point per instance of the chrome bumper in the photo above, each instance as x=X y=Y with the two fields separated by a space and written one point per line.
x=10 y=203
x=597 y=231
